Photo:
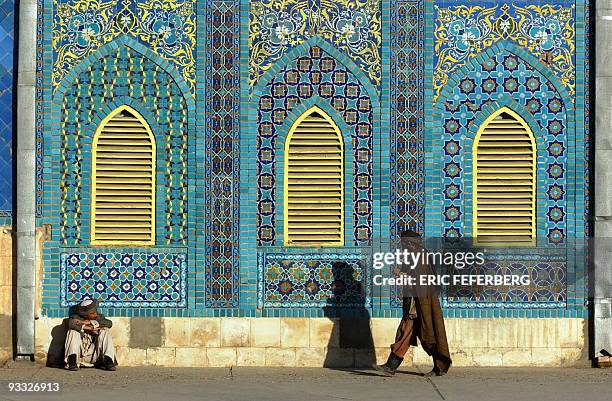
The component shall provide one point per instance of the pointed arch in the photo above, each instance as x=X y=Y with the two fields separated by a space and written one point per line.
x=123 y=180
x=107 y=50
x=314 y=181
x=510 y=48
x=504 y=179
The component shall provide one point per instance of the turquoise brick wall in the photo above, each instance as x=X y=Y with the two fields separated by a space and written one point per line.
x=220 y=82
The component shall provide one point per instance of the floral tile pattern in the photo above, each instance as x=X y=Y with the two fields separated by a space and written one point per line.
x=353 y=26
x=221 y=273
x=464 y=31
x=82 y=26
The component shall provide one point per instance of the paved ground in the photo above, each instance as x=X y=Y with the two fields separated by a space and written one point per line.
x=255 y=384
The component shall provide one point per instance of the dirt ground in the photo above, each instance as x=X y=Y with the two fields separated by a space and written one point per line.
x=288 y=384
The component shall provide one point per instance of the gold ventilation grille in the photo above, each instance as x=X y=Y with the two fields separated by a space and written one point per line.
x=314 y=182
x=123 y=181
x=504 y=180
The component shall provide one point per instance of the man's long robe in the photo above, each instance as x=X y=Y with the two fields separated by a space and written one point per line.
x=422 y=314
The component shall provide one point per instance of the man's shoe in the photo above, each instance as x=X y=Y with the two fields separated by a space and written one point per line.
x=109 y=364
x=72 y=362
x=434 y=372
x=389 y=368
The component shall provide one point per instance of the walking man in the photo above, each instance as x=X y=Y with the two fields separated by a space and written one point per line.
x=421 y=318
x=88 y=341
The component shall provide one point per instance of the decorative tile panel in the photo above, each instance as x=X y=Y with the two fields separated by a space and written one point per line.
x=406 y=98
x=449 y=64
x=481 y=92
x=40 y=112
x=82 y=26
x=124 y=278
x=548 y=288
x=587 y=159
x=353 y=26
x=315 y=74
x=312 y=280
x=222 y=155
x=545 y=30
x=121 y=78
x=547 y=270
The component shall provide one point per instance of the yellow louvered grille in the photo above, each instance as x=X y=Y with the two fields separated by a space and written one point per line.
x=313 y=182
x=124 y=181
x=505 y=179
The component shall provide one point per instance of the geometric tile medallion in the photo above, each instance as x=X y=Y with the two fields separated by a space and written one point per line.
x=124 y=278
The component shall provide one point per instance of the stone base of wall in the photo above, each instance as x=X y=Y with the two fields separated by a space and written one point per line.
x=6 y=294
x=7 y=286
x=297 y=342
x=310 y=342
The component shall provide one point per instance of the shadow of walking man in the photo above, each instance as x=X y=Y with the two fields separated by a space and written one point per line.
x=350 y=344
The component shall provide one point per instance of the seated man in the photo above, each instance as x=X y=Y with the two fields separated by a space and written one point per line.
x=88 y=341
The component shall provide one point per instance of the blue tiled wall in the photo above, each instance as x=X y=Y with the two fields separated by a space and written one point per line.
x=392 y=85
x=6 y=109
